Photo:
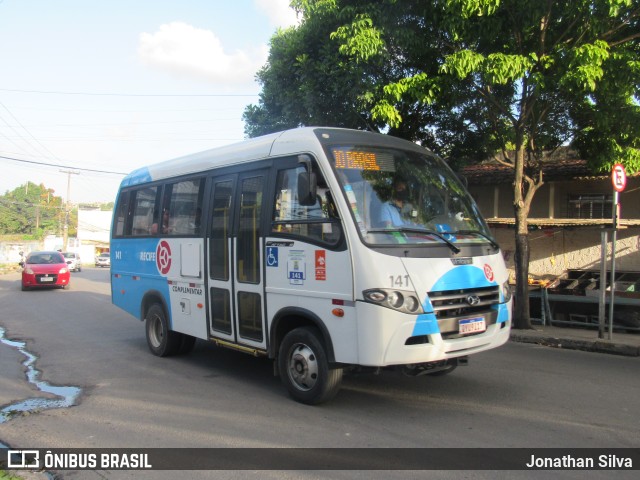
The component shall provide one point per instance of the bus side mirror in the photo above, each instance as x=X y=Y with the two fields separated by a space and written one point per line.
x=307 y=183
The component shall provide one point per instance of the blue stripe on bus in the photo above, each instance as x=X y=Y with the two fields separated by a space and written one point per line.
x=457 y=278
x=134 y=272
x=136 y=177
x=463 y=277
x=426 y=324
x=503 y=313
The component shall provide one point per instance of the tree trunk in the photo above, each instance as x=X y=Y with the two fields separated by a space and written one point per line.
x=521 y=304
x=524 y=189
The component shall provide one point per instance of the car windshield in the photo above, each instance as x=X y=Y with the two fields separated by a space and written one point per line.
x=400 y=197
x=44 y=258
x=69 y=255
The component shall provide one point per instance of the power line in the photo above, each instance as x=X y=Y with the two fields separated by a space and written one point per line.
x=97 y=94
x=28 y=132
x=61 y=166
x=136 y=123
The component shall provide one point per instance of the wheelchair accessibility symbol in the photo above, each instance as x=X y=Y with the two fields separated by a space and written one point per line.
x=272 y=256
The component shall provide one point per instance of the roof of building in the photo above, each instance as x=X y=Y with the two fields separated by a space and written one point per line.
x=495 y=173
x=542 y=223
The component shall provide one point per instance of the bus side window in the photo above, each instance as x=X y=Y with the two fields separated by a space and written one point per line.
x=122 y=216
x=318 y=222
x=143 y=207
x=182 y=208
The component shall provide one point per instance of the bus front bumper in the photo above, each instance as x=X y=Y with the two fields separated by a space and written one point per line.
x=387 y=338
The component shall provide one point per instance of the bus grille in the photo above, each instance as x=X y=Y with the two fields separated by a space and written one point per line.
x=460 y=303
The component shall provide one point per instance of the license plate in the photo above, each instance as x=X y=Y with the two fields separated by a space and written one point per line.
x=472 y=325
x=46 y=279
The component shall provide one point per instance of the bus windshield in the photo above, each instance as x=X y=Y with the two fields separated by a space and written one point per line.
x=406 y=197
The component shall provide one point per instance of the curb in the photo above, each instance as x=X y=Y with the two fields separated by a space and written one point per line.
x=598 y=346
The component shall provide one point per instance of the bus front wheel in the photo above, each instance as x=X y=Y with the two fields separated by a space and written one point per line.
x=162 y=341
x=304 y=368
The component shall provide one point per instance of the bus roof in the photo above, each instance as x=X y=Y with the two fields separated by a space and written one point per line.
x=287 y=142
x=228 y=155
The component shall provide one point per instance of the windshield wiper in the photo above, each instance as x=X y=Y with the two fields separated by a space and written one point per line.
x=479 y=233
x=439 y=235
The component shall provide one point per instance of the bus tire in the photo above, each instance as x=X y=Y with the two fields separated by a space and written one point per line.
x=161 y=341
x=304 y=369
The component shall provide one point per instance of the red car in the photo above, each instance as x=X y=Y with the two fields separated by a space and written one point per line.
x=45 y=269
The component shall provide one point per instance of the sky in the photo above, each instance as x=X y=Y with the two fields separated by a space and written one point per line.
x=91 y=90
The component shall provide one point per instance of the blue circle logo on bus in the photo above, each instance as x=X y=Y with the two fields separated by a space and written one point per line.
x=163 y=257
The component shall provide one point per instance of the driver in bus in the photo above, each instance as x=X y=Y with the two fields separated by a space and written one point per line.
x=394 y=211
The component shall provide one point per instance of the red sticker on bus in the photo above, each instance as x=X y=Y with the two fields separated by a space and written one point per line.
x=488 y=272
x=321 y=265
x=163 y=257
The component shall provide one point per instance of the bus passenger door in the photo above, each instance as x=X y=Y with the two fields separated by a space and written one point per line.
x=249 y=281
x=220 y=262
x=236 y=283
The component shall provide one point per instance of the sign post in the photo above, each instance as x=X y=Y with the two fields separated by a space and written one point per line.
x=602 y=298
x=619 y=181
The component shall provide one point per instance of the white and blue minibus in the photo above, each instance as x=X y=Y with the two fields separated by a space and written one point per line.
x=300 y=246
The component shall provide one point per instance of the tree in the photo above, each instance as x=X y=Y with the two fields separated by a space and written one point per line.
x=307 y=82
x=31 y=210
x=519 y=77
x=541 y=73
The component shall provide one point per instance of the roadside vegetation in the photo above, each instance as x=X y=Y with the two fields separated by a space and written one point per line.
x=4 y=475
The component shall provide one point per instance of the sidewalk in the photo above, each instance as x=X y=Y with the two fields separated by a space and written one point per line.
x=575 y=338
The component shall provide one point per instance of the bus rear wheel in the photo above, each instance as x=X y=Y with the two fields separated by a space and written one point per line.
x=304 y=368
x=161 y=341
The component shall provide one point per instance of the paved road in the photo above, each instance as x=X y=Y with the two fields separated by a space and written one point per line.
x=520 y=395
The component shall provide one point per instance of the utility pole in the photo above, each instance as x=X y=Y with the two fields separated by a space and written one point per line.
x=65 y=233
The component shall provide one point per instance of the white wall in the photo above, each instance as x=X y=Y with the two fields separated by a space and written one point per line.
x=553 y=251
x=94 y=225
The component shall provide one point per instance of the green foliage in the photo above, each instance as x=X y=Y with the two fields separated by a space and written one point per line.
x=6 y=475
x=462 y=63
x=585 y=68
x=361 y=39
x=487 y=75
x=473 y=8
x=33 y=211
x=535 y=67
x=307 y=81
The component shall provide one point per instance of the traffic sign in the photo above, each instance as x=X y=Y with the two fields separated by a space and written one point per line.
x=618 y=177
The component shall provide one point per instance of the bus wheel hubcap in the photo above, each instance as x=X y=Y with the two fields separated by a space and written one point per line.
x=156 y=331
x=303 y=367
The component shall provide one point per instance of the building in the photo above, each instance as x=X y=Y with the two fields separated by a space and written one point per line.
x=568 y=216
x=94 y=226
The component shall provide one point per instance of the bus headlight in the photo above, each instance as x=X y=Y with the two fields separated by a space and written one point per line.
x=403 y=301
x=506 y=292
